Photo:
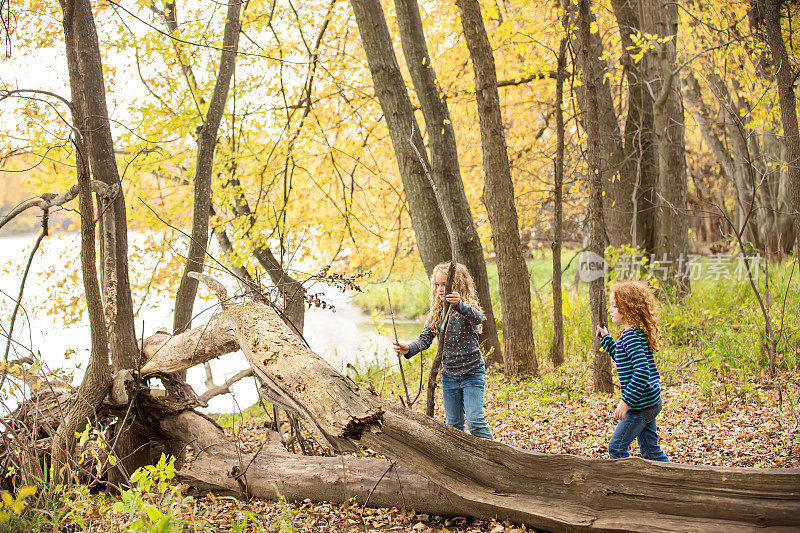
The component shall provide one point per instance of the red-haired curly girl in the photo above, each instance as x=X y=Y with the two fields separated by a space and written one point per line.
x=633 y=306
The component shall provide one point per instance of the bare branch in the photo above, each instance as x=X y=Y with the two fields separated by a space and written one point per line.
x=49 y=200
x=218 y=288
x=14 y=92
x=225 y=388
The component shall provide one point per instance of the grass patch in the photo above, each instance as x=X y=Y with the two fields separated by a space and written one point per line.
x=257 y=411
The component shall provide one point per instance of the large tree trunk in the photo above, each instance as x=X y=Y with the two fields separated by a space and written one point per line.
x=206 y=146
x=551 y=492
x=390 y=88
x=97 y=378
x=519 y=353
x=445 y=168
x=672 y=244
x=639 y=171
x=784 y=74
x=617 y=175
x=601 y=362
x=275 y=473
x=86 y=80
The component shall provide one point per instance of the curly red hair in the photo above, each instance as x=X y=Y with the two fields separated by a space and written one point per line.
x=638 y=308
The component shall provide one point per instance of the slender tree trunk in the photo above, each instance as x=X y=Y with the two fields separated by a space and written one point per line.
x=742 y=166
x=515 y=296
x=703 y=116
x=97 y=378
x=769 y=194
x=206 y=145
x=226 y=247
x=784 y=74
x=557 y=350
x=390 y=88
x=83 y=38
x=639 y=168
x=445 y=168
x=86 y=80
x=601 y=368
x=291 y=290
x=672 y=245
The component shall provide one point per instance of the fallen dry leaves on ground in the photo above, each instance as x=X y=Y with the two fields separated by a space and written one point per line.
x=756 y=427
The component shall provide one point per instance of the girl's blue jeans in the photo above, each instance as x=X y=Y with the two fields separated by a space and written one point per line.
x=639 y=424
x=463 y=400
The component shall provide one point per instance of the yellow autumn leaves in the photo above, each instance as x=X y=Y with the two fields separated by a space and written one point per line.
x=12 y=505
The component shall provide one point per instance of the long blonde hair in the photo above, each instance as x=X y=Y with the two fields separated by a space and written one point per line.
x=638 y=308
x=462 y=283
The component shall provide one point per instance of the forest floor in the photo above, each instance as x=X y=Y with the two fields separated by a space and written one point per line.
x=749 y=423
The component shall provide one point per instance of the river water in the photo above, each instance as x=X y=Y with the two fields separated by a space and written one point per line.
x=342 y=336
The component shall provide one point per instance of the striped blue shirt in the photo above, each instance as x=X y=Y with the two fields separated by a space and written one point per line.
x=638 y=375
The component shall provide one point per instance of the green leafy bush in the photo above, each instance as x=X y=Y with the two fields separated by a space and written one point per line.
x=152 y=511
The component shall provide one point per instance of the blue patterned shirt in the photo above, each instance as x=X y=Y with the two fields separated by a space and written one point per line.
x=636 y=368
x=462 y=352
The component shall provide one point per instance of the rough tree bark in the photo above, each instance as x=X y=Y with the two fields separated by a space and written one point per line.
x=639 y=172
x=784 y=74
x=275 y=473
x=390 y=88
x=445 y=168
x=519 y=353
x=617 y=176
x=86 y=81
x=660 y=18
x=551 y=492
x=601 y=367
x=206 y=145
x=97 y=378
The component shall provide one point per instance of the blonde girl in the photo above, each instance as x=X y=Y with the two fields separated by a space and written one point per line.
x=632 y=306
x=463 y=367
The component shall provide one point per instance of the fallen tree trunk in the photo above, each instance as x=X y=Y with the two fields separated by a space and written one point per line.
x=274 y=473
x=553 y=492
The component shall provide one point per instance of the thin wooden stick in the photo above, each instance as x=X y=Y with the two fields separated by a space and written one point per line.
x=419 y=389
x=399 y=357
x=437 y=360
